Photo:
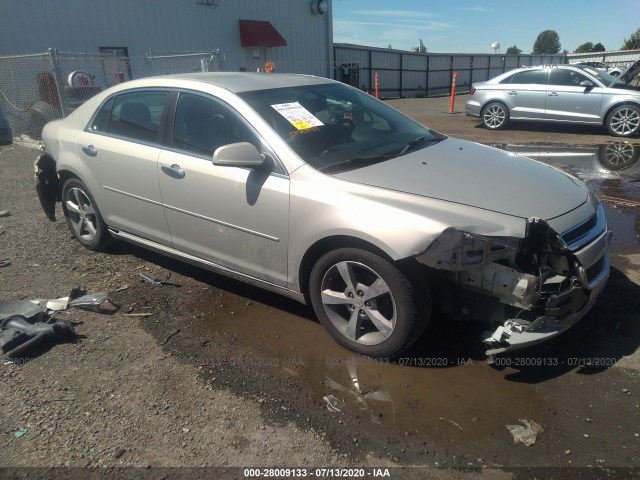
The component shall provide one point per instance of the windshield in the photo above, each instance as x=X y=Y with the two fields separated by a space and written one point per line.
x=336 y=128
x=601 y=75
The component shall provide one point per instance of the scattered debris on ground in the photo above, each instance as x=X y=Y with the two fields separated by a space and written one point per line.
x=527 y=433
x=333 y=404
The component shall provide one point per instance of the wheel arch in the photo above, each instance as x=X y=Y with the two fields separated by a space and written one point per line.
x=605 y=118
x=494 y=100
x=325 y=245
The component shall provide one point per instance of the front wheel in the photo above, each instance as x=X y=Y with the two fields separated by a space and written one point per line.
x=495 y=116
x=623 y=121
x=367 y=304
x=83 y=217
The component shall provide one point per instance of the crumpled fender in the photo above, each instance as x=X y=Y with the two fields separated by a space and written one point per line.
x=47 y=185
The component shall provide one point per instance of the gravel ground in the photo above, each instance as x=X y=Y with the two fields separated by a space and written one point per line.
x=224 y=375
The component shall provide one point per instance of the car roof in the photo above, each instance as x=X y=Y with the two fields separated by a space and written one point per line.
x=234 y=81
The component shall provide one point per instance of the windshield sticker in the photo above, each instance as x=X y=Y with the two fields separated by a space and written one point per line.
x=297 y=115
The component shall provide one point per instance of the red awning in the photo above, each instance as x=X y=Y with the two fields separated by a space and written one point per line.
x=260 y=33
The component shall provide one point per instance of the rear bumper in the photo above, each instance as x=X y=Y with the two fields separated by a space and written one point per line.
x=472 y=108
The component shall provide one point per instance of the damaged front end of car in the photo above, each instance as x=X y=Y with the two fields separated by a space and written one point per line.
x=532 y=288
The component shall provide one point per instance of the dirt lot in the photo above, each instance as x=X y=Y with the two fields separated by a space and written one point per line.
x=219 y=374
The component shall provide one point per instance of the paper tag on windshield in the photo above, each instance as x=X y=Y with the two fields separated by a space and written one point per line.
x=297 y=115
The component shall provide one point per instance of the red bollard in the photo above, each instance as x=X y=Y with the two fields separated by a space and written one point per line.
x=453 y=92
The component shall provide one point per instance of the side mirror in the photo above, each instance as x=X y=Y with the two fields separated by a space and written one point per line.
x=241 y=154
x=587 y=84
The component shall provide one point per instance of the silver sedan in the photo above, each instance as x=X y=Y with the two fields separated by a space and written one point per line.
x=560 y=93
x=317 y=191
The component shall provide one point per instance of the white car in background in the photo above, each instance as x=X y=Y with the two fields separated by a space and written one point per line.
x=601 y=66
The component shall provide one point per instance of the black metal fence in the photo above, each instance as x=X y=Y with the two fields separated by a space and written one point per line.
x=412 y=74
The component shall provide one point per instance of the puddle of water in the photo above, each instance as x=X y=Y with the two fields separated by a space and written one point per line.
x=451 y=393
x=611 y=171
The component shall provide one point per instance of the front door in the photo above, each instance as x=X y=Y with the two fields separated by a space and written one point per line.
x=568 y=101
x=235 y=217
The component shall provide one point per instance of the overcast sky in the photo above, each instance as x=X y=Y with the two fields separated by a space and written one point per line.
x=467 y=26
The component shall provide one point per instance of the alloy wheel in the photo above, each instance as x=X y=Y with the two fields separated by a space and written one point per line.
x=625 y=121
x=81 y=214
x=358 y=302
x=494 y=116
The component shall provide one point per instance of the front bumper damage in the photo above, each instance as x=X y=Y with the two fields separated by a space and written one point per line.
x=532 y=288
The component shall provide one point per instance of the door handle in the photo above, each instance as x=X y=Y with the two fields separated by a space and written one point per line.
x=173 y=171
x=513 y=92
x=553 y=94
x=90 y=150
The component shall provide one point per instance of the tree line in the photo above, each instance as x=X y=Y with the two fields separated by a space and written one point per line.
x=548 y=42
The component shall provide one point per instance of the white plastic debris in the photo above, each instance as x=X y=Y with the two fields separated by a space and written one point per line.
x=333 y=404
x=527 y=433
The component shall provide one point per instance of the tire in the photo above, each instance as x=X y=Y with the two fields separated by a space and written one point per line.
x=495 y=116
x=367 y=304
x=83 y=217
x=623 y=121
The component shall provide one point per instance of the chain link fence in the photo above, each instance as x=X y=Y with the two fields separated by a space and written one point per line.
x=38 y=88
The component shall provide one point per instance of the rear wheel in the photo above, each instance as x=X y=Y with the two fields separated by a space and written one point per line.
x=83 y=217
x=495 y=116
x=367 y=304
x=623 y=121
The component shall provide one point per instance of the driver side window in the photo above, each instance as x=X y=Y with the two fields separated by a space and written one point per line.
x=566 y=78
x=201 y=125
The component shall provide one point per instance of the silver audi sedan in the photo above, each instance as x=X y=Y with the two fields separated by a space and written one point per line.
x=562 y=94
x=317 y=191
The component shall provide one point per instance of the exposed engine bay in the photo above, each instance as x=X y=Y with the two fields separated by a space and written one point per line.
x=533 y=288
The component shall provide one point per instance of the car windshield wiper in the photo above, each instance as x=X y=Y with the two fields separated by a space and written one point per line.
x=414 y=143
x=352 y=163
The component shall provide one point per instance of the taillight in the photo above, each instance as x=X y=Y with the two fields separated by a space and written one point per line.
x=472 y=91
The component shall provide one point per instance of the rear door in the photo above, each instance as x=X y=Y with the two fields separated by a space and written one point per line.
x=120 y=150
x=569 y=101
x=525 y=94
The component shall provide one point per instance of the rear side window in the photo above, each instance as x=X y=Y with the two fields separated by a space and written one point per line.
x=137 y=115
x=536 y=77
x=101 y=120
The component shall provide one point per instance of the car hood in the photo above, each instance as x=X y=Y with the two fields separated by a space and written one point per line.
x=476 y=175
x=631 y=71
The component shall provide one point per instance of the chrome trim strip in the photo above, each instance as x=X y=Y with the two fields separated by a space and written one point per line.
x=597 y=230
x=214 y=267
x=127 y=194
x=220 y=222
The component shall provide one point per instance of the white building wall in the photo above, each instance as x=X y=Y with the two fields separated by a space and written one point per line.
x=29 y=26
